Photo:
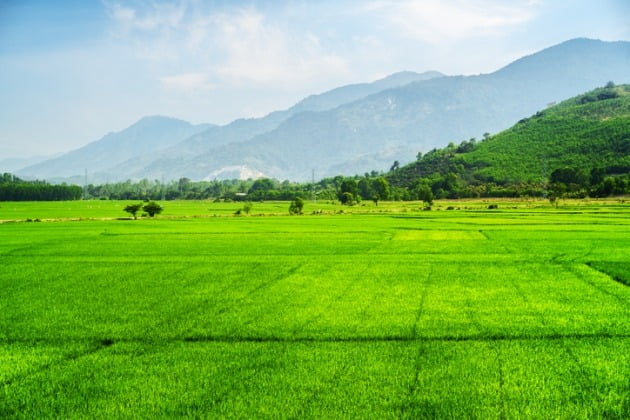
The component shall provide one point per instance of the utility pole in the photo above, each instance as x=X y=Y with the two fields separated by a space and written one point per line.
x=85 y=191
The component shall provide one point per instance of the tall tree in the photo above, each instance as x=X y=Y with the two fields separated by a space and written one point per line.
x=380 y=189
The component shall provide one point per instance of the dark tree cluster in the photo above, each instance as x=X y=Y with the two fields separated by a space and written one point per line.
x=151 y=208
x=16 y=189
x=577 y=183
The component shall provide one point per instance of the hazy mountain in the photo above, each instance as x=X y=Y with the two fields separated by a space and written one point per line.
x=394 y=124
x=245 y=129
x=588 y=131
x=145 y=136
x=351 y=93
x=13 y=164
x=358 y=128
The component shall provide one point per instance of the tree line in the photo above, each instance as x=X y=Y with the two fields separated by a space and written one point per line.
x=444 y=181
x=13 y=188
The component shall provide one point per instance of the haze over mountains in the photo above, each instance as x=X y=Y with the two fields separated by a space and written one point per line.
x=150 y=133
x=352 y=129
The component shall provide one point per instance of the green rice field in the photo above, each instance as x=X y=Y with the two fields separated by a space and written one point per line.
x=377 y=312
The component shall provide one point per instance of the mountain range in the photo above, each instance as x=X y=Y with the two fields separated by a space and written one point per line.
x=351 y=129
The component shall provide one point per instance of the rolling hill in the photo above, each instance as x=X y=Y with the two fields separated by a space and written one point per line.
x=582 y=133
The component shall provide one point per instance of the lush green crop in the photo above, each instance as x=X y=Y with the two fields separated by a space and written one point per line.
x=519 y=313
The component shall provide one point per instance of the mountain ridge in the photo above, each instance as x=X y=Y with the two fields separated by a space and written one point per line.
x=346 y=131
x=420 y=115
x=155 y=132
x=244 y=129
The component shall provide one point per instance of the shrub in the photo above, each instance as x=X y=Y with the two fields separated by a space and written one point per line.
x=152 y=208
x=296 y=206
x=347 y=198
x=133 y=209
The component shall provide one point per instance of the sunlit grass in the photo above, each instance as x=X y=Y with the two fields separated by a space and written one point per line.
x=480 y=313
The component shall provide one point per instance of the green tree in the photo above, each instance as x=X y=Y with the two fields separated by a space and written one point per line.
x=263 y=185
x=348 y=191
x=152 y=208
x=365 y=188
x=423 y=192
x=569 y=176
x=347 y=199
x=379 y=189
x=183 y=184
x=296 y=206
x=568 y=181
x=133 y=209
x=597 y=176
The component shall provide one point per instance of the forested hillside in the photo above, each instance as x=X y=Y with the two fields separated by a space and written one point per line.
x=582 y=143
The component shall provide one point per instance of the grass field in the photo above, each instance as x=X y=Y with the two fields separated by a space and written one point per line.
x=380 y=312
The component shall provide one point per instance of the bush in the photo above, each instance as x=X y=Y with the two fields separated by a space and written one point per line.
x=296 y=206
x=152 y=208
x=133 y=209
x=347 y=199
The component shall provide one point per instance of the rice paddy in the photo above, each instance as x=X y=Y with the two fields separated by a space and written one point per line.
x=380 y=312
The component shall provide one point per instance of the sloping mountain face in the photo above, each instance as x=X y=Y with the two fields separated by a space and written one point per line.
x=143 y=137
x=590 y=131
x=162 y=147
x=365 y=127
x=394 y=124
x=351 y=93
x=585 y=132
x=173 y=161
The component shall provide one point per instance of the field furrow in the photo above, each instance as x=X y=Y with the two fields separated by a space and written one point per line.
x=458 y=314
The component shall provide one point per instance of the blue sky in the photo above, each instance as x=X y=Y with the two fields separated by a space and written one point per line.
x=73 y=70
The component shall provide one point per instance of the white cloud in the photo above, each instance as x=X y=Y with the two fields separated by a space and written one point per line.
x=123 y=15
x=200 y=46
x=187 y=81
x=257 y=51
x=157 y=16
x=438 y=21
